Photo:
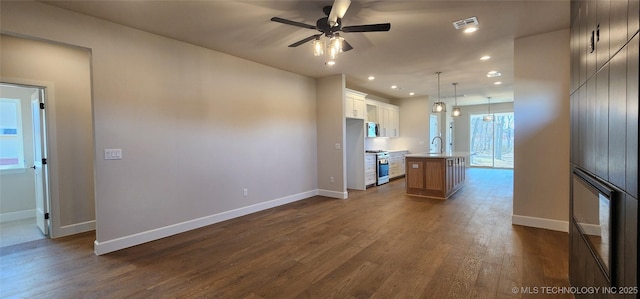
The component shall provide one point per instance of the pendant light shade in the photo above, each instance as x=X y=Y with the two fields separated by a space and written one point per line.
x=456 y=110
x=439 y=106
x=488 y=117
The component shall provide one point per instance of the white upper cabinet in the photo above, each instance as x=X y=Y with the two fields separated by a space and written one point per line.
x=354 y=104
x=386 y=115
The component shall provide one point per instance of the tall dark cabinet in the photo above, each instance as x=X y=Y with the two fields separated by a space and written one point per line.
x=604 y=147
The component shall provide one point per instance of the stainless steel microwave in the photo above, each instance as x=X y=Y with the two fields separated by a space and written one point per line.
x=373 y=130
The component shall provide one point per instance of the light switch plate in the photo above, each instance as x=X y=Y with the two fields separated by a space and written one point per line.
x=113 y=154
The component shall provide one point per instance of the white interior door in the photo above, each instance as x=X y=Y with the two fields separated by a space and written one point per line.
x=39 y=166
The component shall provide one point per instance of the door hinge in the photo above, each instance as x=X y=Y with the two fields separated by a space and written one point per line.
x=41 y=105
x=46 y=216
x=44 y=161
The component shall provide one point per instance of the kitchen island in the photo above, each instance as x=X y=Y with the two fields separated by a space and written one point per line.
x=435 y=175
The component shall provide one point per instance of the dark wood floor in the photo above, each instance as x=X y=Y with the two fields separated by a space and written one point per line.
x=378 y=243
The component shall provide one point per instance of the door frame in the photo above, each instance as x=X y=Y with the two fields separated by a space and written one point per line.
x=46 y=203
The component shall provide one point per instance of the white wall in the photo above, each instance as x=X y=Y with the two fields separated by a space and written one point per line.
x=17 y=186
x=414 y=125
x=541 y=106
x=65 y=73
x=331 y=133
x=196 y=127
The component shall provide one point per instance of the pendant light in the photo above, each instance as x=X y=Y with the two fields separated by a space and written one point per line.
x=456 y=110
x=439 y=106
x=488 y=117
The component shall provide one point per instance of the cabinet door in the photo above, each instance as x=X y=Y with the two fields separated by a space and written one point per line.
x=583 y=42
x=633 y=52
x=575 y=47
x=574 y=128
x=348 y=106
x=590 y=135
x=394 y=121
x=449 y=173
x=602 y=33
x=354 y=104
x=359 y=108
x=383 y=121
x=602 y=123
x=582 y=125
x=633 y=23
x=617 y=118
x=618 y=24
x=591 y=14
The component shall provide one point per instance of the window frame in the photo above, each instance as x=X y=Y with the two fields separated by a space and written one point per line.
x=19 y=135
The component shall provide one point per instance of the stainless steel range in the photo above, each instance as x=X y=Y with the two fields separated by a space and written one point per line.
x=382 y=166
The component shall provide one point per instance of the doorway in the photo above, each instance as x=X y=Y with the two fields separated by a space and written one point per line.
x=492 y=142
x=24 y=180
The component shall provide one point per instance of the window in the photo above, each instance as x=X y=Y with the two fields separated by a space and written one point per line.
x=11 y=140
x=492 y=142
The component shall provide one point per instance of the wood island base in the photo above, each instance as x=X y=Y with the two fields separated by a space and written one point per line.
x=434 y=176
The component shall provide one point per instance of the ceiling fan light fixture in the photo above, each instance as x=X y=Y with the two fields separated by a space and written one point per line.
x=318 y=47
x=336 y=42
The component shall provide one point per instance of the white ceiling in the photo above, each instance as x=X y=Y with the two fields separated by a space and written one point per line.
x=422 y=39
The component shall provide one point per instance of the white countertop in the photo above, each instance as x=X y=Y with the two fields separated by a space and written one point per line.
x=397 y=150
x=439 y=155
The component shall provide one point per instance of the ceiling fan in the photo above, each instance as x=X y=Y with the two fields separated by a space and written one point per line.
x=331 y=25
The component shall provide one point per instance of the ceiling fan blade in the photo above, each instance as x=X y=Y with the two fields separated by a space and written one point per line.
x=346 y=46
x=367 y=28
x=305 y=40
x=293 y=23
x=338 y=10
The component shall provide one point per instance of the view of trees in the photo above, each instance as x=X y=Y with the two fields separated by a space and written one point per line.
x=487 y=136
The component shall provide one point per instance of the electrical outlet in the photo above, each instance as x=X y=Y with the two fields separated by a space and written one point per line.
x=245 y=192
x=338 y=146
x=331 y=180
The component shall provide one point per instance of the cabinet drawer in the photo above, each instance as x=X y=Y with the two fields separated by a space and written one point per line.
x=370 y=179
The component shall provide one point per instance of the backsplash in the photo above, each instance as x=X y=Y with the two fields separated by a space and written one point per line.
x=376 y=143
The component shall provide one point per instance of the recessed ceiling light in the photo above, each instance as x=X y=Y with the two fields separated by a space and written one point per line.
x=330 y=63
x=371 y=78
x=394 y=87
x=486 y=57
x=497 y=83
x=412 y=93
x=471 y=30
x=493 y=74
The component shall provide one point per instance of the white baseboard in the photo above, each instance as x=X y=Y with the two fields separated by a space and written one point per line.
x=163 y=232
x=19 y=215
x=333 y=194
x=551 y=224
x=73 y=229
x=591 y=229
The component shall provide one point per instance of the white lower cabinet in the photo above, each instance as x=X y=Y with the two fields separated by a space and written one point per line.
x=396 y=164
x=370 y=169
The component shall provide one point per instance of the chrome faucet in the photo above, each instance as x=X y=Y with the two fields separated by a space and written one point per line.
x=434 y=140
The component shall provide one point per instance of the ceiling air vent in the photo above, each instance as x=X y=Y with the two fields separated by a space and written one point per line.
x=473 y=21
